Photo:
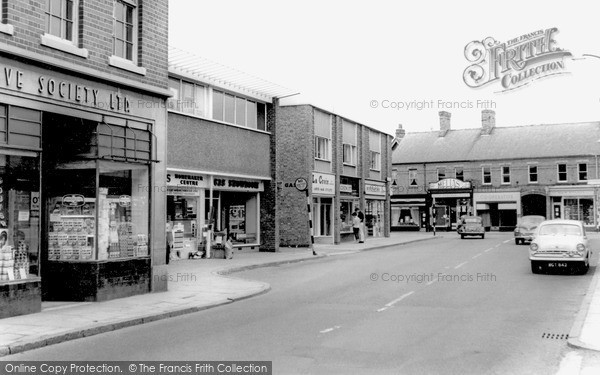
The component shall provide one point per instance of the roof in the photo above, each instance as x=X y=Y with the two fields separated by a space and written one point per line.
x=188 y=65
x=516 y=142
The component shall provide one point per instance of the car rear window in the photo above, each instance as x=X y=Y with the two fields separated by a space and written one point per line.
x=560 y=229
x=472 y=220
x=532 y=219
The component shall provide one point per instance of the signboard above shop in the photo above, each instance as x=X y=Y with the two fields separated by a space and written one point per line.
x=374 y=188
x=450 y=183
x=323 y=183
x=236 y=184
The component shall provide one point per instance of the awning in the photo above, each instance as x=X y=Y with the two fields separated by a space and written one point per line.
x=507 y=206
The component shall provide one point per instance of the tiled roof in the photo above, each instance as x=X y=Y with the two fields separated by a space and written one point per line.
x=532 y=141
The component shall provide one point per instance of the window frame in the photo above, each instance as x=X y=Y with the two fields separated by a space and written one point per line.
x=63 y=19
x=462 y=173
x=440 y=176
x=326 y=142
x=580 y=171
x=505 y=174
x=530 y=173
x=375 y=157
x=134 y=32
x=259 y=125
x=413 y=177
x=483 y=175
x=352 y=161
x=558 y=172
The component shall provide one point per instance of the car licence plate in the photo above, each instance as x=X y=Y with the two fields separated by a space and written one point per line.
x=558 y=265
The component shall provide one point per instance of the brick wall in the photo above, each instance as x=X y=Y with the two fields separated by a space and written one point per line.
x=294 y=152
x=269 y=215
x=95 y=34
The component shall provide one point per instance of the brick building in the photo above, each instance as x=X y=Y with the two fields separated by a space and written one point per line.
x=346 y=164
x=499 y=173
x=221 y=137
x=82 y=131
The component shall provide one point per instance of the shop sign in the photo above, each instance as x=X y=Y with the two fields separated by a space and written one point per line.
x=346 y=189
x=182 y=179
x=375 y=189
x=450 y=183
x=53 y=86
x=237 y=184
x=323 y=184
x=497 y=197
x=73 y=200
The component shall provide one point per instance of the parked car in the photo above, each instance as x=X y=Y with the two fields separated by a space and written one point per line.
x=526 y=227
x=470 y=226
x=560 y=244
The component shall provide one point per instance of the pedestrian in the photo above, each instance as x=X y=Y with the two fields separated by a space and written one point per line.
x=356 y=226
x=229 y=247
x=361 y=232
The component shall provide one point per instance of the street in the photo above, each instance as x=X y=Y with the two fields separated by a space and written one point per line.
x=440 y=306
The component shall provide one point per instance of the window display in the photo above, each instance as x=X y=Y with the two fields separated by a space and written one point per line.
x=19 y=217
x=110 y=222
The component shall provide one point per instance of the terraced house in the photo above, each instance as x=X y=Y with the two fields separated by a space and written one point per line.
x=499 y=173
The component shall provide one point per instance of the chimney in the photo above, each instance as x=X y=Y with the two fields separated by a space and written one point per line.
x=488 y=121
x=400 y=133
x=444 y=123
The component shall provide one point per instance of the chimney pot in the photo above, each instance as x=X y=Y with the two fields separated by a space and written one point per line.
x=444 y=123
x=488 y=121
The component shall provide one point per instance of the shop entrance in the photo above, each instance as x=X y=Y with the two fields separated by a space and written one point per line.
x=534 y=204
x=238 y=216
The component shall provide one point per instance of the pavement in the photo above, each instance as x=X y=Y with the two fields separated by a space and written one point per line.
x=194 y=285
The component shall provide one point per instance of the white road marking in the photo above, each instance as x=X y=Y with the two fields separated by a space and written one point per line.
x=388 y=305
x=329 y=329
x=507 y=241
x=478 y=255
x=431 y=282
x=460 y=265
x=498 y=245
x=570 y=364
x=490 y=249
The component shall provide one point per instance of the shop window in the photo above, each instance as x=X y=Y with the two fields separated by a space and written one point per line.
x=322 y=216
x=322 y=151
x=349 y=157
x=375 y=161
x=346 y=209
x=19 y=216
x=87 y=223
x=581 y=209
x=561 y=170
x=533 y=174
x=61 y=19
x=441 y=173
x=412 y=177
x=124 y=36
x=505 y=175
x=459 y=173
x=582 y=171
x=486 y=175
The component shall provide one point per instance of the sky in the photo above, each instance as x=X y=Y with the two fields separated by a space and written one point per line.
x=385 y=63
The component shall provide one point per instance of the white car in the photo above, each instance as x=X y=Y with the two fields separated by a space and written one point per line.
x=560 y=244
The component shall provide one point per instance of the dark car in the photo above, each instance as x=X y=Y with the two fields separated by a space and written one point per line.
x=470 y=226
x=526 y=227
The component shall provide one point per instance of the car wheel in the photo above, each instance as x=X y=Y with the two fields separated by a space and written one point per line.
x=517 y=241
x=462 y=236
x=583 y=268
x=535 y=267
x=483 y=236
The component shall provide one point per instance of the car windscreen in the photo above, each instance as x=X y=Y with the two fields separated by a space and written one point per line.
x=560 y=229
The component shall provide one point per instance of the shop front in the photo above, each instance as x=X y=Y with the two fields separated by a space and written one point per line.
x=77 y=160
x=199 y=205
x=574 y=202
x=375 y=196
x=409 y=212
x=349 y=200
x=498 y=210
x=323 y=194
x=450 y=199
